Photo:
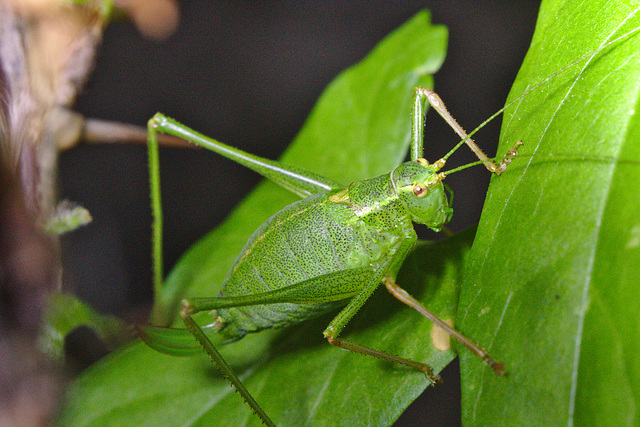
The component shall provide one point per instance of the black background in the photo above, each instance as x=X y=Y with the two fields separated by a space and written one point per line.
x=248 y=73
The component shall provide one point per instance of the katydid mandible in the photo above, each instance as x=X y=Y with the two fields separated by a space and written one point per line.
x=333 y=248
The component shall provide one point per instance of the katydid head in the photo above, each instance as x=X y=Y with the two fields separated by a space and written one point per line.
x=420 y=189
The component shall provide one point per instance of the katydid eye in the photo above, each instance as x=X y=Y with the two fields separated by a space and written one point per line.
x=420 y=190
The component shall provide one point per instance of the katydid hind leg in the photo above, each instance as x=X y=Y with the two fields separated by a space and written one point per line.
x=297 y=180
x=407 y=299
x=224 y=367
x=159 y=313
x=294 y=179
x=345 y=284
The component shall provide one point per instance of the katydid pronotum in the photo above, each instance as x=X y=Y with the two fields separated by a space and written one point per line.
x=375 y=238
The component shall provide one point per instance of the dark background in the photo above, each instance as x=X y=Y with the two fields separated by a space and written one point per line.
x=248 y=73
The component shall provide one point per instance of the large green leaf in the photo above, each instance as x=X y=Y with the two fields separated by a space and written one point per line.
x=294 y=374
x=553 y=283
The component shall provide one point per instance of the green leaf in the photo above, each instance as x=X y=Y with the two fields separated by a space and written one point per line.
x=294 y=374
x=65 y=313
x=552 y=284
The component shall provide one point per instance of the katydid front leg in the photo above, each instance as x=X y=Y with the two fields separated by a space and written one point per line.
x=421 y=93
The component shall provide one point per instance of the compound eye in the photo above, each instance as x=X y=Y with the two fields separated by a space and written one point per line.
x=420 y=190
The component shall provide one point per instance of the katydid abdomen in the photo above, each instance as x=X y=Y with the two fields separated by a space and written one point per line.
x=307 y=239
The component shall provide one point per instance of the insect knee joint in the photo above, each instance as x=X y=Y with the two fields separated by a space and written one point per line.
x=329 y=334
x=186 y=309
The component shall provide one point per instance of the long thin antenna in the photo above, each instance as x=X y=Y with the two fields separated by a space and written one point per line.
x=537 y=85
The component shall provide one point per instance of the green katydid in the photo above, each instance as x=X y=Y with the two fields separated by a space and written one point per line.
x=370 y=220
x=331 y=249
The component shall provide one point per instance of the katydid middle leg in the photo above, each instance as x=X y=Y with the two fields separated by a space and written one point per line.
x=390 y=266
x=339 y=322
